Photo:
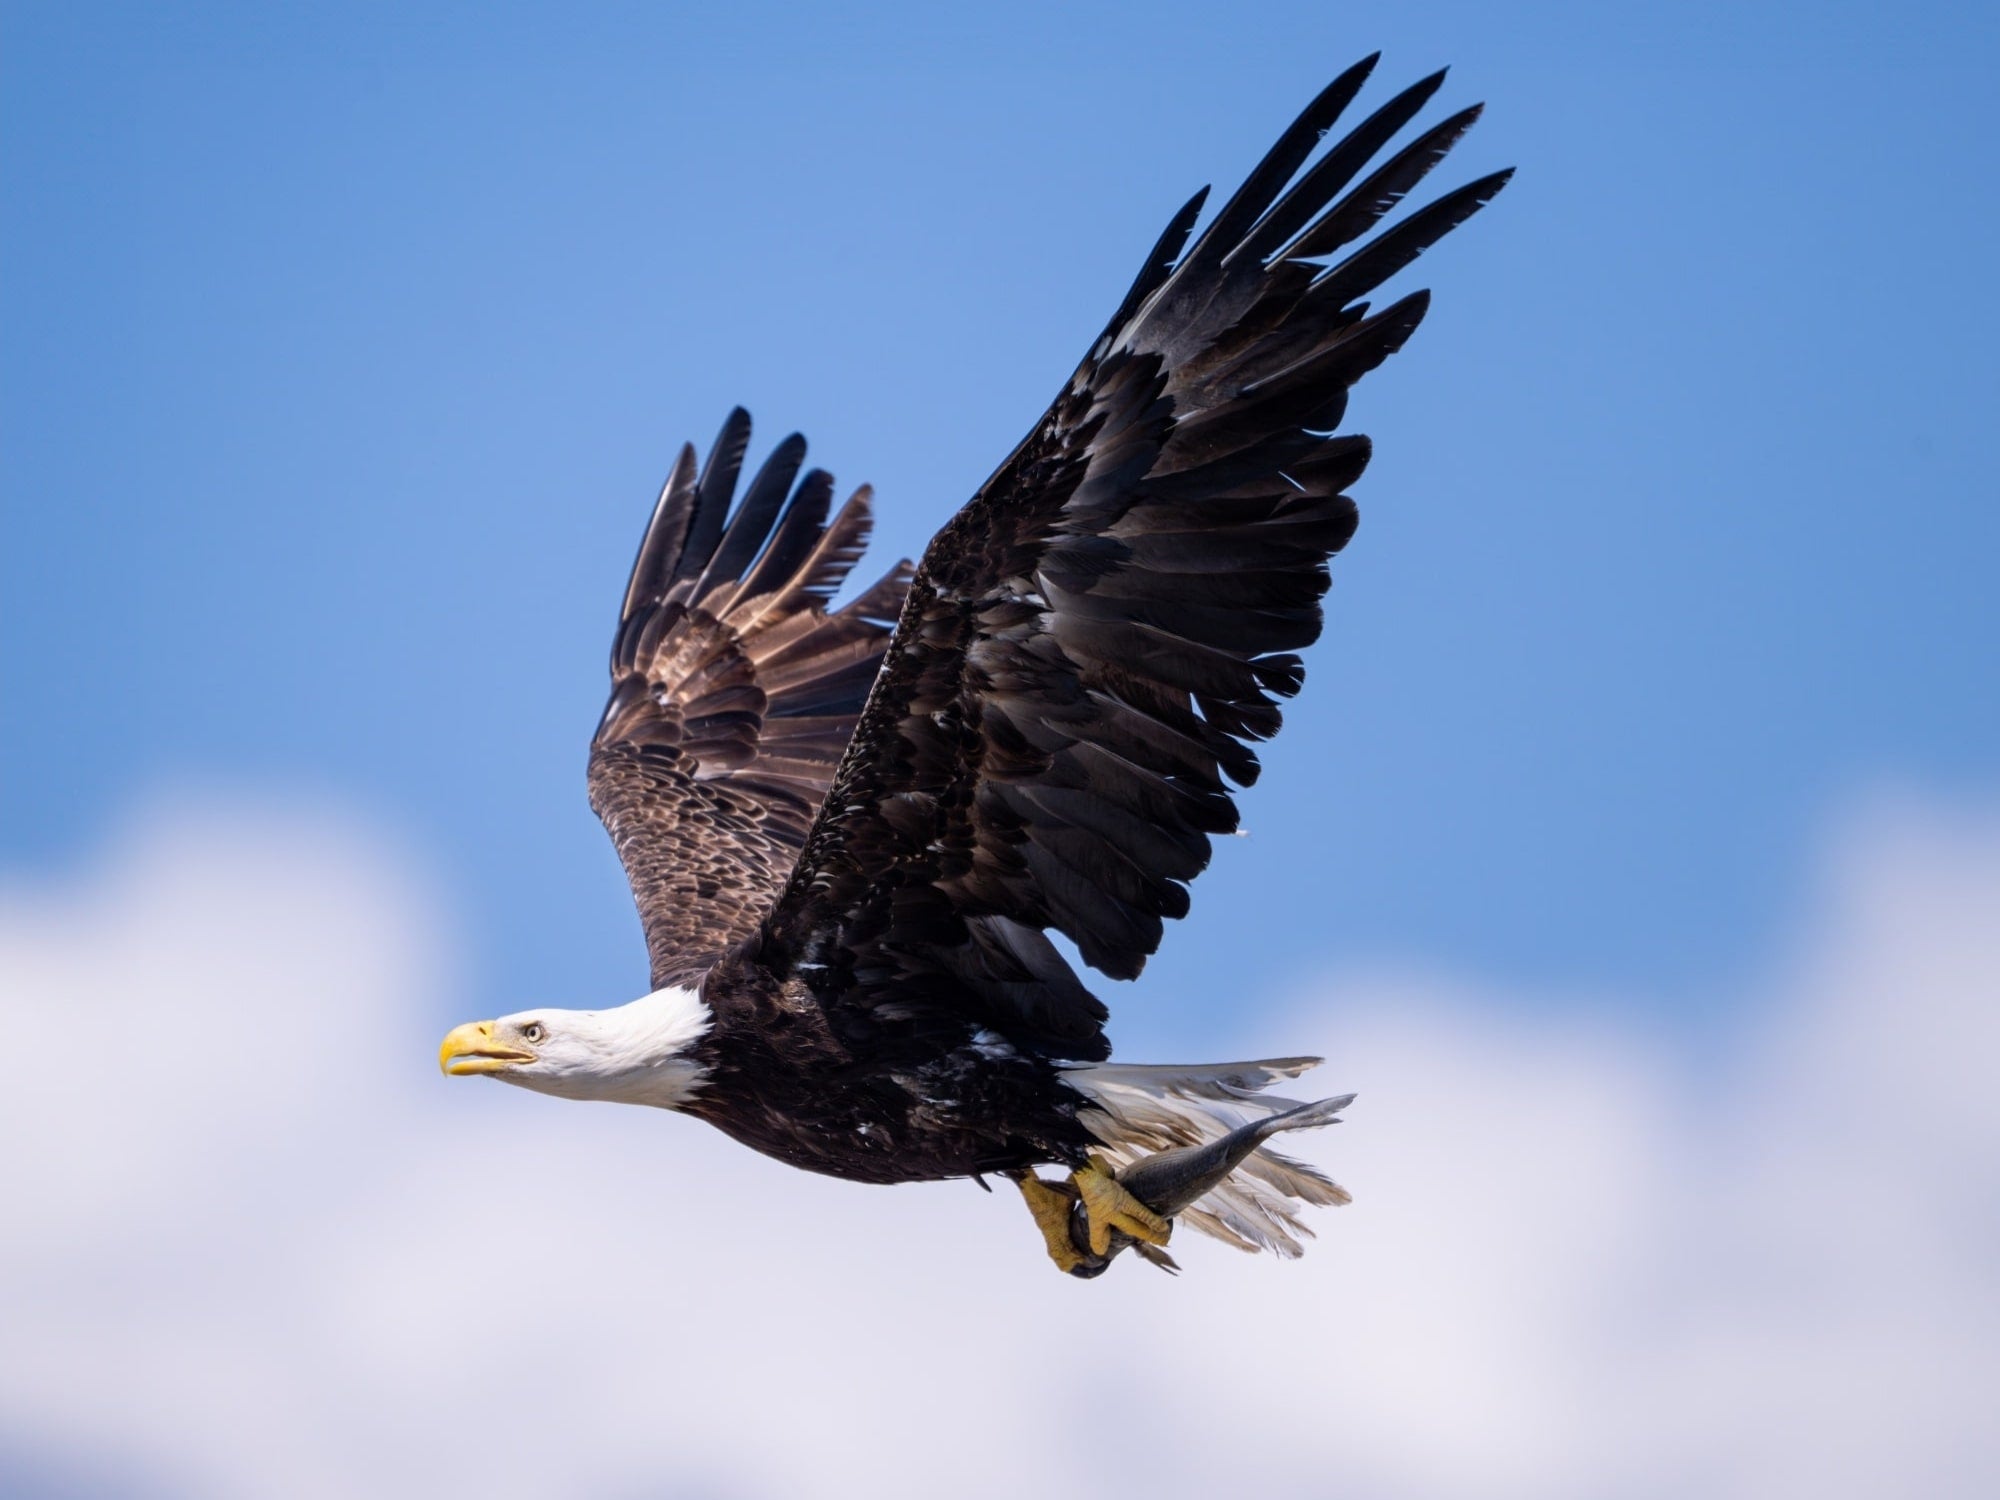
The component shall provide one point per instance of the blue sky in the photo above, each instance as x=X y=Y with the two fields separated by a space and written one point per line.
x=341 y=349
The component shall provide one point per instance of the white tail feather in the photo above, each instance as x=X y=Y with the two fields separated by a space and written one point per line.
x=1146 y=1108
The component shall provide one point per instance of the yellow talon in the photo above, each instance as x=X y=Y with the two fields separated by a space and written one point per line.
x=1050 y=1203
x=1107 y=1207
x=1110 y=1207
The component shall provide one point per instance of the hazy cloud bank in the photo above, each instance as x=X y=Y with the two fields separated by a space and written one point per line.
x=256 y=1245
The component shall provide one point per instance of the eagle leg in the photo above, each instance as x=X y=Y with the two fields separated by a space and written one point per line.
x=1109 y=1206
x=1052 y=1204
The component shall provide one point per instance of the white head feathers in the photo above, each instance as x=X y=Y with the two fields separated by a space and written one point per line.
x=632 y=1054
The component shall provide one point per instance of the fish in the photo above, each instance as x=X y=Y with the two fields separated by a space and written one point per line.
x=1168 y=1182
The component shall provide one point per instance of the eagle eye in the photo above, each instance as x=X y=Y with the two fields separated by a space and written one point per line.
x=532 y=1031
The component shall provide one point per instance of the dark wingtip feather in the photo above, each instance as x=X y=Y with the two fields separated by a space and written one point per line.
x=843 y=541
x=1268 y=178
x=794 y=538
x=713 y=493
x=660 y=545
x=1159 y=264
x=1375 y=263
x=1337 y=168
x=1383 y=189
x=750 y=527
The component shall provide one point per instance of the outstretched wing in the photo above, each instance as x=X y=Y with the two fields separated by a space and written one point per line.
x=1091 y=647
x=734 y=691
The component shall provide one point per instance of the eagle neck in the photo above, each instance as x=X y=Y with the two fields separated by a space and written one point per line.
x=651 y=1049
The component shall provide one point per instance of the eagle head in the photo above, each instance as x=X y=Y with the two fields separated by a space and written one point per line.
x=642 y=1053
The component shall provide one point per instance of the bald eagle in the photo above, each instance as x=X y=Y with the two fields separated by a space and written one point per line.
x=851 y=831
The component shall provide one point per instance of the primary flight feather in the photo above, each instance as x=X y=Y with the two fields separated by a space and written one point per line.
x=849 y=832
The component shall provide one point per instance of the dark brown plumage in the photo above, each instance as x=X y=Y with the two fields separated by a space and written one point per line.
x=734 y=692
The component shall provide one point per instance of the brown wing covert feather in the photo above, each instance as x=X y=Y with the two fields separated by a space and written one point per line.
x=734 y=691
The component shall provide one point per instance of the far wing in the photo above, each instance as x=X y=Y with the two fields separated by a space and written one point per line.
x=734 y=692
x=1091 y=647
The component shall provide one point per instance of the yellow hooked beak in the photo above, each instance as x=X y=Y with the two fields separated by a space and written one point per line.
x=472 y=1048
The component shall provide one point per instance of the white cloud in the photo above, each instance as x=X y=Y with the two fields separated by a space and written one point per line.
x=256 y=1245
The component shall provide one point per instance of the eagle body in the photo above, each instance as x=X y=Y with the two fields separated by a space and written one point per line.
x=852 y=831
x=781 y=1082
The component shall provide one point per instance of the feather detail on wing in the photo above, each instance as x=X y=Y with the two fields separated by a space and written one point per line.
x=734 y=691
x=1093 y=645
